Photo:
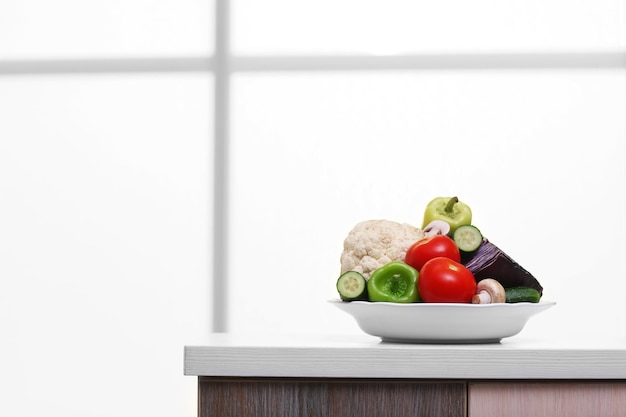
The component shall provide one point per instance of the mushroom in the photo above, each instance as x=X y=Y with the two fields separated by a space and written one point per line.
x=437 y=227
x=489 y=291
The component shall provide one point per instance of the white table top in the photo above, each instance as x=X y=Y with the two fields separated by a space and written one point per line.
x=355 y=356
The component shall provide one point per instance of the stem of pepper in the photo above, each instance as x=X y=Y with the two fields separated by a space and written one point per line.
x=451 y=204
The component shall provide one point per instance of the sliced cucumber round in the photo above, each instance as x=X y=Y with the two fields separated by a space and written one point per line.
x=352 y=286
x=468 y=238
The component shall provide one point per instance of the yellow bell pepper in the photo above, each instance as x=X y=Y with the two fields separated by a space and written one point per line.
x=450 y=210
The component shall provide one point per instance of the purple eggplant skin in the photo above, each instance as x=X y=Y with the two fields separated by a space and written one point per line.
x=489 y=261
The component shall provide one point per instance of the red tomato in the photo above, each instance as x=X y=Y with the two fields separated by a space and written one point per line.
x=431 y=247
x=443 y=280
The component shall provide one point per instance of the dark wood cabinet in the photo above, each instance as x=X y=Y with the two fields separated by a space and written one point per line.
x=265 y=397
x=332 y=397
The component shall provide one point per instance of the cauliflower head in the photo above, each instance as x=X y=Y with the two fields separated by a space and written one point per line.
x=374 y=243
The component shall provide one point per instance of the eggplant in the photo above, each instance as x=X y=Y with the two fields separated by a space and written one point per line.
x=489 y=261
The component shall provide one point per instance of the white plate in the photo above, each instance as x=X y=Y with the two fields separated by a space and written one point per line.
x=441 y=322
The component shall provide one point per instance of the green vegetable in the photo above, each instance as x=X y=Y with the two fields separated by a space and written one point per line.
x=522 y=295
x=468 y=238
x=450 y=210
x=352 y=286
x=394 y=282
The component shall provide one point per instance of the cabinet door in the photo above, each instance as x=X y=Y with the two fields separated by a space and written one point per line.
x=240 y=397
x=554 y=399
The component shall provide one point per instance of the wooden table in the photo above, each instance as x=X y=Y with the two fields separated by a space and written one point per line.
x=343 y=376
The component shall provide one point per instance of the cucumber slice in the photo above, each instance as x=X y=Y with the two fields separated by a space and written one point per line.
x=352 y=286
x=468 y=238
x=522 y=295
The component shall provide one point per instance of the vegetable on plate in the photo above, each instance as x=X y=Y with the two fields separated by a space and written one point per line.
x=352 y=286
x=394 y=282
x=448 y=209
x=489 y=261
x=431 y=247
x=489 y=291
x=443 y=280
x=436 y=227
x=447 y=261
x=468 y=238
x=522 y=295
x=374 y=243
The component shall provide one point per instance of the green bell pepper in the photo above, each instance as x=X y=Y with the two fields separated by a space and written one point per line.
x=450 y=210
x=394 y=282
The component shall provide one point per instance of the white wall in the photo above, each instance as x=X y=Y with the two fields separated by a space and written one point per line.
x=539 y=156
x=105 y=225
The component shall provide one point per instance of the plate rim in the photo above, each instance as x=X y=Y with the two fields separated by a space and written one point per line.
x=361 y=310
x=434 y=305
